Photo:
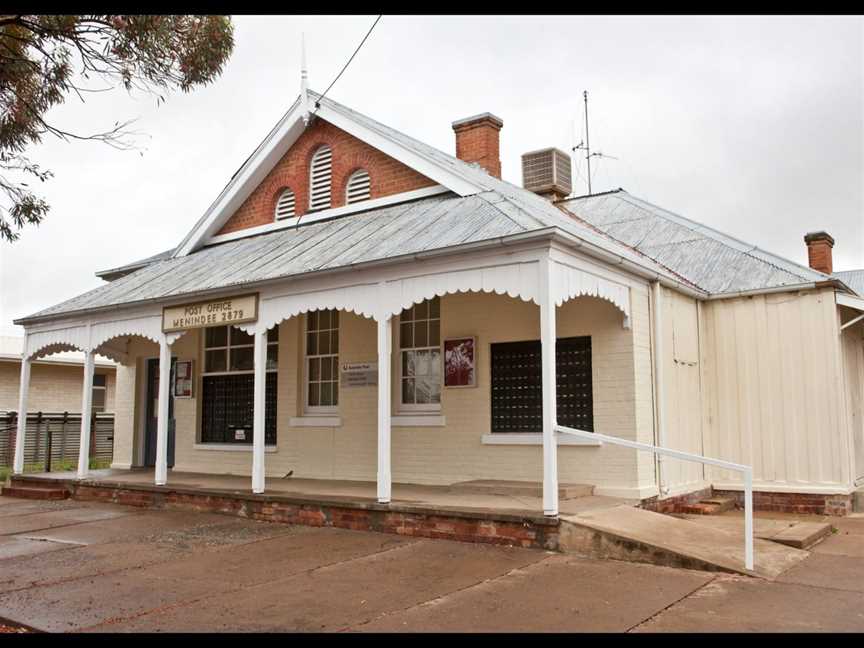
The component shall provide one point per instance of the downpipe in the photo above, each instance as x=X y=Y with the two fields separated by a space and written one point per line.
x=659 y=400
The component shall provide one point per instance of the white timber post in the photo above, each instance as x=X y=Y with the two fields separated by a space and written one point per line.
x=385 y=323
x=548 y=339
x=86 y=415
x=258 y=404
x=162 y=412
x=24 y=389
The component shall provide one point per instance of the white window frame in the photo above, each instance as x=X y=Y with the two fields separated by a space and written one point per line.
x=104 y=390
x=204 y=373
x=319 y=410
x=418 y=408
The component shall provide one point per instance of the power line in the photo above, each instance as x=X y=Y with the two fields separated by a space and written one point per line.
x=318 y=101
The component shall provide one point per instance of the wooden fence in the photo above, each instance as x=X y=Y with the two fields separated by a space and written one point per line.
x=53 y=439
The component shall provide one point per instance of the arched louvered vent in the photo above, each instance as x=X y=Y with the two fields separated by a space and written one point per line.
x=285 y=205
x=358 y=187
x=319 y=179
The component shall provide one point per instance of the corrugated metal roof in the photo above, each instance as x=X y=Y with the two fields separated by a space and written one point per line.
x=852 y=278
x=713 y=261
x=433 y=223
x=128 y=267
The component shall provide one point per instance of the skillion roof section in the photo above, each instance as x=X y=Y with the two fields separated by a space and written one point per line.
x=715 y=262
x=852 y=278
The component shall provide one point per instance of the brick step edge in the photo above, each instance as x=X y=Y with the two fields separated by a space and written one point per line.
x=26 y=492
x=700 y=508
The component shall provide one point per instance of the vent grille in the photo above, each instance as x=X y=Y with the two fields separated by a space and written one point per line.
x=359 y=185
x=319 y=182
x=547 y=172
x=285 y=205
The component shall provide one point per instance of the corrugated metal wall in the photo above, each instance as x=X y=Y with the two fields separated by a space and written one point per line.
x=65 y=436
x=772 y=386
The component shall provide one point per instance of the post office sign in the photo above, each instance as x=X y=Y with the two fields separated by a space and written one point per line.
x=216 y=312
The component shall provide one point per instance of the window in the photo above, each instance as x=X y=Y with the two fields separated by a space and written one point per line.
x=228 y=383
x=322 y=360
x=517 y=390
x=358 y=188
x=319 y=179
x=99 y=393
x=285 y=205
x=420 y=356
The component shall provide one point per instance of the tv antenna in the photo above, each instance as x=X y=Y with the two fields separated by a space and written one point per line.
x=585 y=144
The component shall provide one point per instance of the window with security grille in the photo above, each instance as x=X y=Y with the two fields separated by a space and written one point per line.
x=516 y=384
x=320 y=171
x=285 y=205
x=322 y=360
x=359 y=187
x=228 y=383
x=420 y=365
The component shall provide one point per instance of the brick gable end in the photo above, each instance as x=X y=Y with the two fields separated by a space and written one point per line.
x=388 y=176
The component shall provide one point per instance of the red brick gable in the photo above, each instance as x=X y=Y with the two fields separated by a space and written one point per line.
x=388 y=176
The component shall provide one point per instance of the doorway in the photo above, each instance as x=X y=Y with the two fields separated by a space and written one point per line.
x=152 y=418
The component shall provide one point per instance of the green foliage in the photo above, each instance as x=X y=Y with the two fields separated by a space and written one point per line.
x=44 y=59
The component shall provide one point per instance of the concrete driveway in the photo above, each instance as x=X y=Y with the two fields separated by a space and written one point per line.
x=71 y=566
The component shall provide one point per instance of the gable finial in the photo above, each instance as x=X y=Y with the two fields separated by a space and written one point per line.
x=304 y=79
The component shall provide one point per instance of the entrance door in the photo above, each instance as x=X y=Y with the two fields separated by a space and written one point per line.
x=152 y=410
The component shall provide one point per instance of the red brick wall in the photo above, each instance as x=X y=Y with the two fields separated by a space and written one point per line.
x=478 y=141
x=463 y=526
x=388 y=176
x=819 y=256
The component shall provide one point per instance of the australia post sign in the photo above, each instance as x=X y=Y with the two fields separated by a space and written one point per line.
x=216 y=312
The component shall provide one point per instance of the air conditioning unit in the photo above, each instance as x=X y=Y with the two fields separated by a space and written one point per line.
x=547 y=172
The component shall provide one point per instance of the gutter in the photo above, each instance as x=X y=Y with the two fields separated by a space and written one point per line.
x=811 y=285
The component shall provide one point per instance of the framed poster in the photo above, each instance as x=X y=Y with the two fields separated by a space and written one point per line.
x=183 y=379
x=460 y=362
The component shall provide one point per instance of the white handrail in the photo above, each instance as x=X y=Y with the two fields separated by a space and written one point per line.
x=686 y=456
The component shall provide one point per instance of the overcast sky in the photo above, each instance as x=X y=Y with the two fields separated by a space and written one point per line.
x=754 y=126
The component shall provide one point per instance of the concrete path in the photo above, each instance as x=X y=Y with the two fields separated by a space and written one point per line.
x=72 y=566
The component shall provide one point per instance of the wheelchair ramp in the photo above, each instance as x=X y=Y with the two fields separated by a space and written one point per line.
x=637 y=535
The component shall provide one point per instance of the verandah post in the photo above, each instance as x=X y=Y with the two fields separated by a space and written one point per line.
x=258 y=405
x=385 y=323
x=548 y=339
x=162 y=412
x=18 y=463
x=86 y=413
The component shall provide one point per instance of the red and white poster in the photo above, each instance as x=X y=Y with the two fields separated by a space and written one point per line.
x=460 y=362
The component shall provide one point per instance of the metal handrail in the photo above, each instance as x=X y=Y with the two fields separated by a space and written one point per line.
x=686 y=456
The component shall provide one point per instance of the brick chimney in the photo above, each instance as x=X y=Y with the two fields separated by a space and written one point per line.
x=477 y=141
x=819 y=246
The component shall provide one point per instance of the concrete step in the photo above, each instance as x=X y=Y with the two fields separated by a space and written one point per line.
x=637 y=535
x=790 y=532
x=518 y=488
x=710 y=506
x=35 y=492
